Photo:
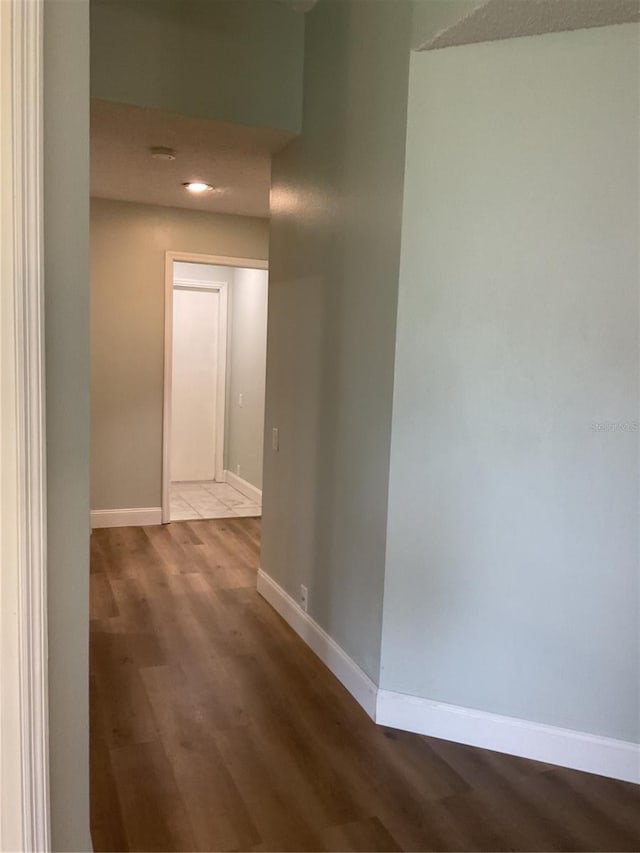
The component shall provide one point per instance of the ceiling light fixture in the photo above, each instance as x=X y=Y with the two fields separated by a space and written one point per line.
x=197 y=186
x=159 y=152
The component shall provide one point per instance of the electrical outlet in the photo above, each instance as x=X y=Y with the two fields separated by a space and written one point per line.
x=304 y=597
x=241 y=400
x=275 y=439
x=238 y=469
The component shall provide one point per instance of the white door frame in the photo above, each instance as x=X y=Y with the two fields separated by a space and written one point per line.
x=24 y=741
x=169 y=284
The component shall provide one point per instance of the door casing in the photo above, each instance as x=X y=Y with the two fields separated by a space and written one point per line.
x=24 y=717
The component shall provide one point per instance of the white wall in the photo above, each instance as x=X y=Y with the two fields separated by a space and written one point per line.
x=246 y=374
x=190 y=271
x=512 y=559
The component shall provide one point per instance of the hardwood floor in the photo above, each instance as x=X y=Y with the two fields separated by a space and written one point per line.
x=213 y=727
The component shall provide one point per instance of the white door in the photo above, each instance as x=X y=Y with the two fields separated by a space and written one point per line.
x=196 y=316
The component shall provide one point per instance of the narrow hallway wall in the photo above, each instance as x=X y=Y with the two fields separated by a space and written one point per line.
x=334 y=258
x=66 y=285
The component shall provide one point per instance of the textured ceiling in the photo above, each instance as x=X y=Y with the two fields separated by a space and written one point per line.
x=502 y=19
x=235 y=159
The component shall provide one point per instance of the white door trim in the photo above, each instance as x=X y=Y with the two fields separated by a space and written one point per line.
x=195 y=284
x=24 y=747
x=213 y=260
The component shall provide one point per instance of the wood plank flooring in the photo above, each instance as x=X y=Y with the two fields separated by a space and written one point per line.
x=213 y=727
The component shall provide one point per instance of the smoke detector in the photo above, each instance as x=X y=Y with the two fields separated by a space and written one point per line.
x=159 y=152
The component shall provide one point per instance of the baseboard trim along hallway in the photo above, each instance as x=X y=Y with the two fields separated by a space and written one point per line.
x=348 y=672
x=524 y=738
x=135 y=517
x=244 y=487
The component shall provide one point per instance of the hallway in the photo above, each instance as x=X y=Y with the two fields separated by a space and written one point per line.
x=213 y=727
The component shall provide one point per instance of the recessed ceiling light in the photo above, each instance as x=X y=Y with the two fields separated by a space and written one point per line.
x=197 y=186
x=159 y=152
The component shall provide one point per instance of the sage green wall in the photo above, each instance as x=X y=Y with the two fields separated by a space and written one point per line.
x=128 y=246
x=512 y=556
x=334 y=259
x=66 y=284
x=246 y=374
x=232 y=60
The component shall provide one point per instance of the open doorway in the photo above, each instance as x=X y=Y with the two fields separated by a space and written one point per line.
x=214 y=376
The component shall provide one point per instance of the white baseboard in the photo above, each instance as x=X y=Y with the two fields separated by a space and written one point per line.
x=550 y=744
x=338 y=661
x=136 y=517
x=249 y=491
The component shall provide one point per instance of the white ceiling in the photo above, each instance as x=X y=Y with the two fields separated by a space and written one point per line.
x=502 y=19
x=236 y=160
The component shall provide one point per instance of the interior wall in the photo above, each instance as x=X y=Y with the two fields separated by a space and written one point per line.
x=335 y=242
x=512 y=555
x=66 y=285
x=246 y=374
x=128 y=246
x=233 y=60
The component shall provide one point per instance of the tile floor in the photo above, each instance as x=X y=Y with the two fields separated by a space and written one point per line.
x=210 y=500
